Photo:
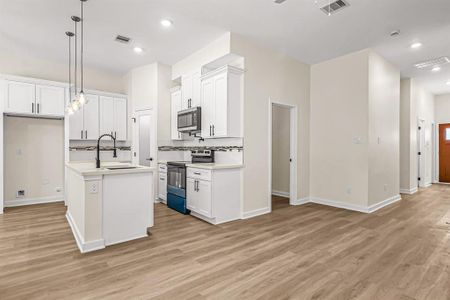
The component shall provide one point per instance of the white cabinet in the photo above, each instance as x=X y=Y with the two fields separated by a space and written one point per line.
x=50 y=100
x=84 y=124
x=162 y=186
x=175 y=107
x=190 y=90
x=221 y=101
x=214 y=195
x=29 y=98
x=113 y=117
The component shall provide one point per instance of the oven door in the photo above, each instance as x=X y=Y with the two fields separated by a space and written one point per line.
x=176 y=177
x=190 y=120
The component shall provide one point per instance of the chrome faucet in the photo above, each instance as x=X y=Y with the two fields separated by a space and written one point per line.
x=97 y=159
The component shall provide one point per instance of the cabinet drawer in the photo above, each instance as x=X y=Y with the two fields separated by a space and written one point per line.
x=162 y=168
x=200 y=174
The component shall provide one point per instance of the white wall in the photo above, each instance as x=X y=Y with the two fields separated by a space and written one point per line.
x=28 y=66
x=34 y=158
x=442 y=108
x=384 y=130
x=270 y=75
x=280 y=149
x=340 y=128
x=355 y=130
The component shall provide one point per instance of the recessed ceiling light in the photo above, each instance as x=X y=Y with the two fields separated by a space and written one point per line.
x=166 y=23
x=416 y=45
x=436 y=69
x=138 y=49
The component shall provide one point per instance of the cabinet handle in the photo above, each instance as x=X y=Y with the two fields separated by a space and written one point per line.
x=81 y=134
x=85 y=134
x=162 y=179
x=210 y=130
x=198 y=189
x=197 y=173
x=32 y=108
x=115 y=134
x=38 y=105
x=213 y=129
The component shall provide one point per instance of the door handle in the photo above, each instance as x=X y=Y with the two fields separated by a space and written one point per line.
x=149 y=159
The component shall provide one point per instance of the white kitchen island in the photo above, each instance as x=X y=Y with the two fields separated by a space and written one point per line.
x=110 y=205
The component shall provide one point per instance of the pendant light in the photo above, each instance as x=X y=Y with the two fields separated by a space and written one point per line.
x=75 y=102
x=70 y=34
x=82 y=99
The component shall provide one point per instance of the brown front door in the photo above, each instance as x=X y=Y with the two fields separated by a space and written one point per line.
x=444 y=153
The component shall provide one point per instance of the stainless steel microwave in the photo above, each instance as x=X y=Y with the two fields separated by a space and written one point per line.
x=190 y=120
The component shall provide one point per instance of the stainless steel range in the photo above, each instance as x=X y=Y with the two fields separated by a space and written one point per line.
x=176 y=179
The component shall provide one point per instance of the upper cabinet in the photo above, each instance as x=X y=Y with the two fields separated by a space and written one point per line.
x=113 y=117
x=84 y=124
x=29 y=98
x=190 y=91
x=221 y=101
x=175 y=107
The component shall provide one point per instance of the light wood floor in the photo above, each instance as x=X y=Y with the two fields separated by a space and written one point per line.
x=303 y=252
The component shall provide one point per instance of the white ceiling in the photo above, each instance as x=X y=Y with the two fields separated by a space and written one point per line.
x=296 y=27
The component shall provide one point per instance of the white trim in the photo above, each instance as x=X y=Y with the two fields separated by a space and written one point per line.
x=409 y=191
x=280 y=194
x=82 y=245
x=384 y=203
x=256 y=212
x=293 y=109
x=339 y=204
x=428 y=184
x=302 y=201
x=31 y=201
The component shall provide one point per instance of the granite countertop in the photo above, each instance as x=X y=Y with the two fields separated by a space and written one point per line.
x=214 y=166
x=102 y=148
x=89 y=169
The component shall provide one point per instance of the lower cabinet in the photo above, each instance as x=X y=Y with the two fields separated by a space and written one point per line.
x=162 y=186
x=214 y=195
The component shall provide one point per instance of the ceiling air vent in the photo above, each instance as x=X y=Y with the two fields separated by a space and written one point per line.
x=279 y=1
x=122 y=39
x=333 y=7
x=437 y=62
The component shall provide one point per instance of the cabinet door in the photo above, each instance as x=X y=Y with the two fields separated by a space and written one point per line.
x=174 y=109
x=50 y=100
x=207 y=95
x=90 y=116
x=162 y=186
x=196 y=88
x=106 y=115
x=204 y=195
x=191 y=194
x=76 y=128
x=20 y=97
x=186 y=91
x=120 y=119
x=220 y=106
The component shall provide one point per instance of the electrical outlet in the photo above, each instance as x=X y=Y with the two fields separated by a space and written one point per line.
x=58 y=190
x=20 y=193
x=93 y=189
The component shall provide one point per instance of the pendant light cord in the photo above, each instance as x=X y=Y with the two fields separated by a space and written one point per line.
x=70 y=66
x=76 y=46
x=82 y=46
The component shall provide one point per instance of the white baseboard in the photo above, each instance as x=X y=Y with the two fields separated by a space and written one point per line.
x=409 y=191
x=428 y=184
x=384 y=203
x=82 y=245
x=255 y=213
x=31 y=201
x=339 y=204
x=301 y=201
x=281 y=194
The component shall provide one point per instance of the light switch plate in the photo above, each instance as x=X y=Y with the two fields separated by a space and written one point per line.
x=93 y=189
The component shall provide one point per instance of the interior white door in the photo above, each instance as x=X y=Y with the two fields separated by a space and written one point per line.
x=421 y=157
x=76 y=128
x=191 y=194
x=91 y=120
x=175 y=108
x=207 y=95
x=204 y=195
x=106 y=115
x=220 y=106
x=21 y=97
x=120 y=119
x=145 y=146
x=50 y=100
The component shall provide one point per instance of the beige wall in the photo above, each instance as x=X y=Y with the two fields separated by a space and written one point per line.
x=384 y=129
x=280 y=149
x=34 y=158
x=442 y=108
x=28 y=66
x=340 y=128
x=355 y=130
x=270 y=75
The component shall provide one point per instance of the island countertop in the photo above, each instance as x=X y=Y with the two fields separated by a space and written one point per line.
x=107 y=168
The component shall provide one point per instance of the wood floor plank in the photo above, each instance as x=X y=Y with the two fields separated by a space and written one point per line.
x=296 y=252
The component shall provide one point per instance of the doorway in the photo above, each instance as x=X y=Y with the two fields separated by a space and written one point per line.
x=283 y=155
x=444 y=153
